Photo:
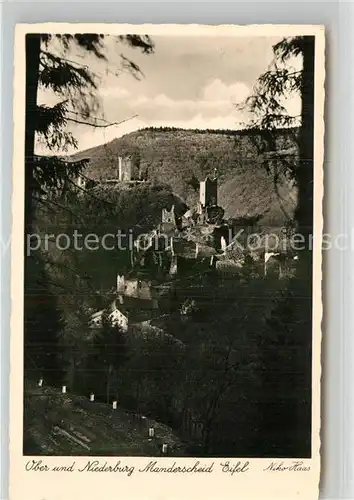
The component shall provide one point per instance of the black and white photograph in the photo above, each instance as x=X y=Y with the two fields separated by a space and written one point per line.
x=168 y=286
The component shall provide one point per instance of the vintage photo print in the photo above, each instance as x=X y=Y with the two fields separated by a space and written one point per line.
x=166 y=261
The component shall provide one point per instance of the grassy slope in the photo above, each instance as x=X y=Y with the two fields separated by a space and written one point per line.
x=64 y=424
x=174 y=156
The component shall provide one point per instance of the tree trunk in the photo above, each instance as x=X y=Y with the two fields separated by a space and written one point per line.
x=33 y=45
x=305 y=171
x=208 y=422
x=108 y=386
x=32 y=67
x=207 y=437
x=71 y=373
x=304 y=212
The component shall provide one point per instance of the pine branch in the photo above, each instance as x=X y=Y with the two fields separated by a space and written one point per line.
x=96 y=125
x=59 y=205
x=50 y=282
x=50 y=172
x=279 y=71
x=91 y=194
x=60 y=265
x=58 y=74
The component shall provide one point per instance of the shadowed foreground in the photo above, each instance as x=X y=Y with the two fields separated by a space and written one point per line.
x=64 y=424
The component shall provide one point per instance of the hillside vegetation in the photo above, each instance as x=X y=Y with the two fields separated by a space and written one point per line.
x=61 y=424
x=177 y=157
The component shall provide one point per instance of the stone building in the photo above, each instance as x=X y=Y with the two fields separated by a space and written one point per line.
x=168 y=220
x=208 y=193
x=141 y=290
x=131 y=169
x=81 y=181
x=126 y=171
x=119 y=319
x=115 y=316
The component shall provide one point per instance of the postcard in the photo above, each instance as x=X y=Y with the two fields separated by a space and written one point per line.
x=166 y=262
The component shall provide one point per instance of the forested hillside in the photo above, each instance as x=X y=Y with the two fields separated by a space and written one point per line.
x=182 y=157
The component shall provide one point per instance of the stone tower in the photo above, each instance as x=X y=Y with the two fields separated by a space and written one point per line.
x=208 y=194
x=125 y=169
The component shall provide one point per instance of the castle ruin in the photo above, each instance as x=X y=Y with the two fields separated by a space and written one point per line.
x=126 y=171
x=130 y=169
x=208 y=194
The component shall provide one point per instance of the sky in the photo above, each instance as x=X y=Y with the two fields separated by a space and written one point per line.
x=188 y=82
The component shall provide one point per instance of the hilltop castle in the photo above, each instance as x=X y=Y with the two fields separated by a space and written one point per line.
x=130 y=169
x=126 y=170
x=208 y=192
x=208 y=209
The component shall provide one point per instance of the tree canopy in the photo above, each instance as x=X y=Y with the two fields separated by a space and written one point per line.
x=268 y=113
